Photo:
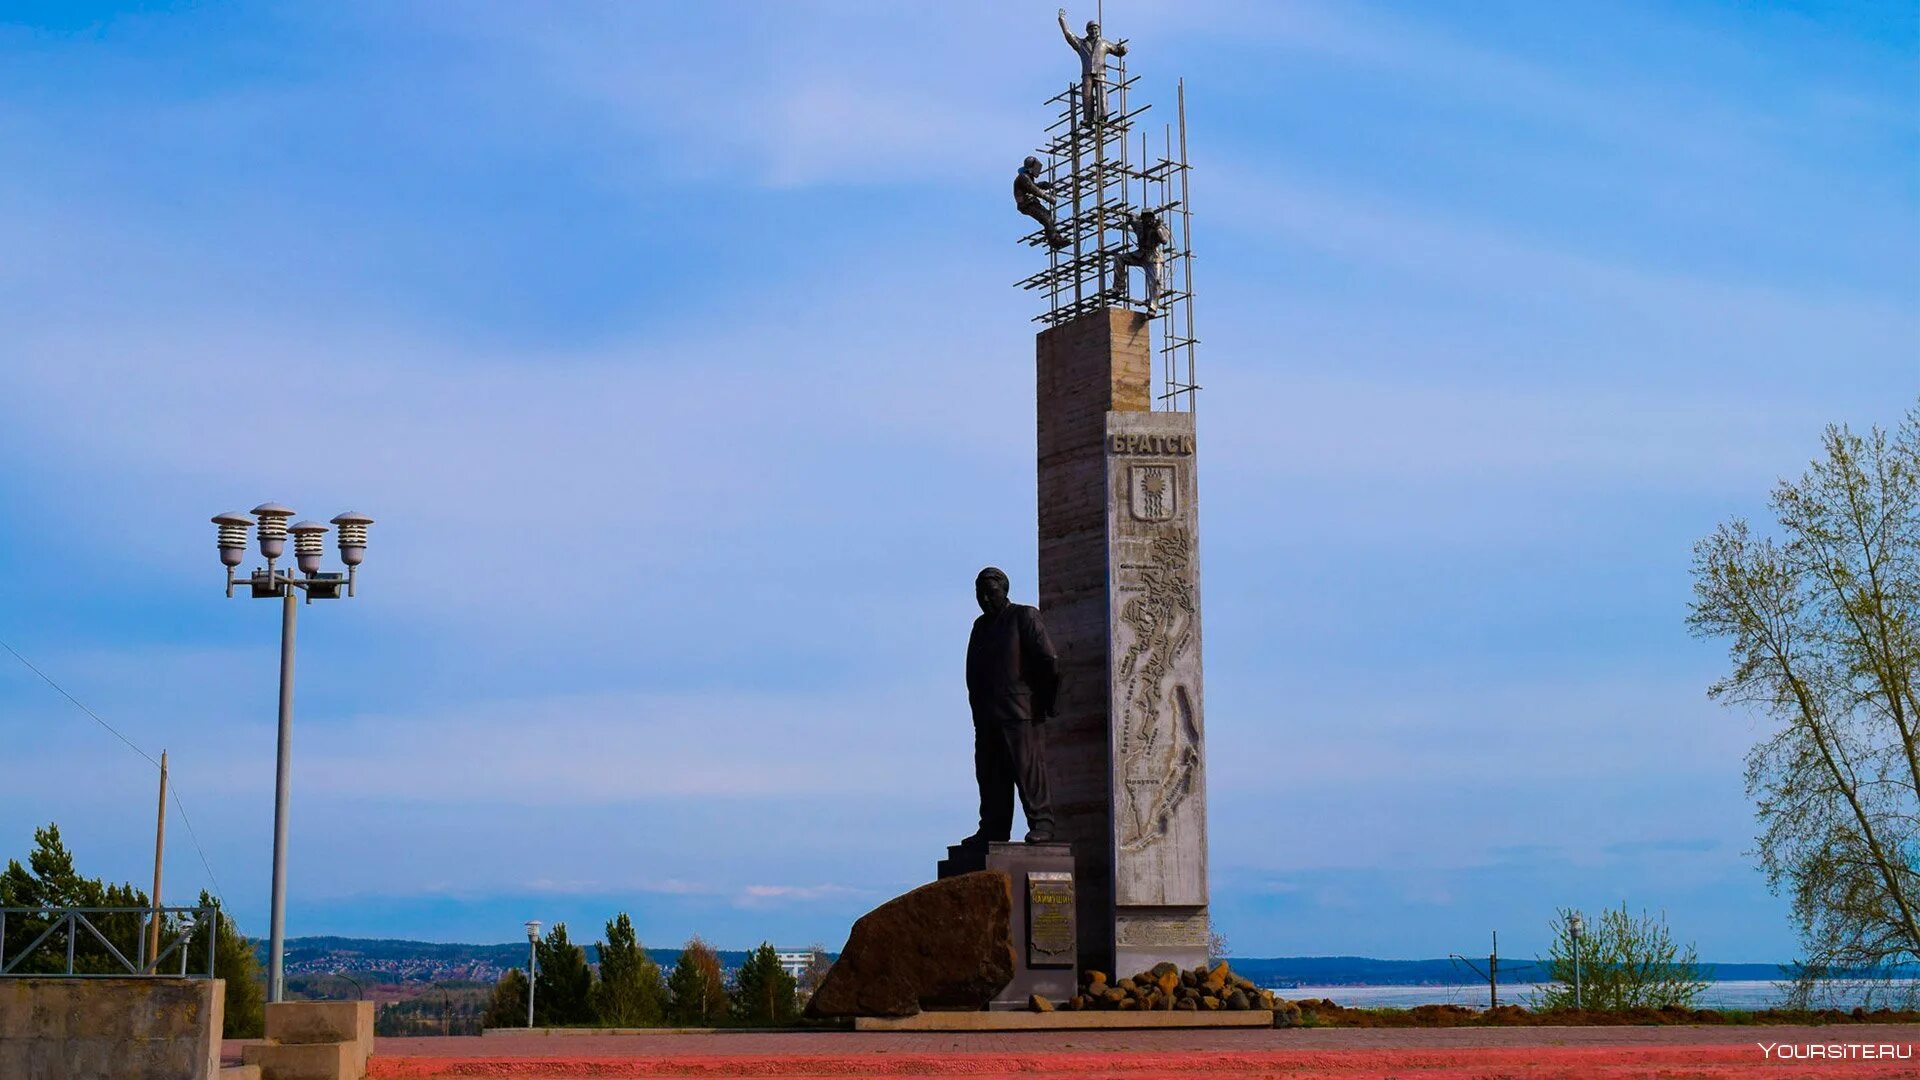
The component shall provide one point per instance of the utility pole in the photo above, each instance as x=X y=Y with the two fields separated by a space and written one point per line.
x=159 y=853
x=1493 y=973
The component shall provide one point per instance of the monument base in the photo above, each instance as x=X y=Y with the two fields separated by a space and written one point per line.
x=1145 y=936
x=1063 y=1021
x=961 y=859
x=1044 y=944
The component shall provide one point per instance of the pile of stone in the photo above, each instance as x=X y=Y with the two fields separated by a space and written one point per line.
x=1167 y=988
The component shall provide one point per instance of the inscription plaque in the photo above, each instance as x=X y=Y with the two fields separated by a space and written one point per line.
x=1164 y=930
x=1050 y=937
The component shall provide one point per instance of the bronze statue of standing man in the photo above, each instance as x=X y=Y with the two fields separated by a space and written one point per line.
x=1013 y=681
x=1093 y=50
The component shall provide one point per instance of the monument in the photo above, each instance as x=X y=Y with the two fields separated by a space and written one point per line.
x=1090 y=705
x=1118 y=522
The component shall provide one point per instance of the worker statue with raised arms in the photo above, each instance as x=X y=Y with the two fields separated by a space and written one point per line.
x=1093 y=50
x=1013 y=682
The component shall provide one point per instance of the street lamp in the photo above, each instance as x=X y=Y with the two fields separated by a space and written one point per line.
x=533 y=963
x=1575 y=924
x=309 y=545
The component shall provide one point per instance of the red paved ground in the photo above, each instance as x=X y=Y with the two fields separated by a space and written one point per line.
x=1679 y=1053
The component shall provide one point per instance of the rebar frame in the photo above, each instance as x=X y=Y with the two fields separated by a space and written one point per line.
x=1097 y=180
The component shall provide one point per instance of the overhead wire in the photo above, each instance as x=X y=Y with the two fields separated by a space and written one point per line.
x=174 y=785
x=48 y=679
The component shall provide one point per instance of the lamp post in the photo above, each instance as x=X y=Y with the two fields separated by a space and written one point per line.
x=533 y=963
x=309 y=547
x=1575 y=924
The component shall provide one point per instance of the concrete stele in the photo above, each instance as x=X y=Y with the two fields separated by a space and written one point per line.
x=1129 y=797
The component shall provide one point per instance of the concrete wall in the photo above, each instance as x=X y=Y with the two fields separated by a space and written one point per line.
x=1120 y=592
x=110 y=1029
x=1087 y=368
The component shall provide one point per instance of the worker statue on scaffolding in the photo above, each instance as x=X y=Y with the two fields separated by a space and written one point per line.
x=1031 y=196
x=1093 y=50
x=1151 y=238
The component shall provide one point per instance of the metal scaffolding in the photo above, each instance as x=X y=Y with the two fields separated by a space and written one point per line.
x=1098 y=184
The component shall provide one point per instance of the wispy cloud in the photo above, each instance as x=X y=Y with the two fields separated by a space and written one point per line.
x=770 y=895
x=672 y=350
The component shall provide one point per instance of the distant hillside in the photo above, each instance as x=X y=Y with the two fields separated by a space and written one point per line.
x=387 y=960
x=391 y=960
x=1366 y=971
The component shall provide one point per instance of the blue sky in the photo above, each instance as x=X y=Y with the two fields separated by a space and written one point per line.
x=674 y=348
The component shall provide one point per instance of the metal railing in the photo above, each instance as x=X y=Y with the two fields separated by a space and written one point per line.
x=178 y=934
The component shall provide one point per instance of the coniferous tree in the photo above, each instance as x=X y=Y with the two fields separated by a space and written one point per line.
x=563 y=986
x=697 y=994
x=234 y=961
x=508 y=1006
x=49 y=880
x=763 y=990
x=629 y=993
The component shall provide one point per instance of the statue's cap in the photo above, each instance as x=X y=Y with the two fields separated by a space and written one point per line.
x=991 y=573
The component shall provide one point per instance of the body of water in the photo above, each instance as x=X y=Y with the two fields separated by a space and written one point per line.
x=1729 y=994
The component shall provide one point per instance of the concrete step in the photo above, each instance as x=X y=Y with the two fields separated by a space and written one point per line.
x=319 y=1021
x=240 y=1072
x=306 y=1061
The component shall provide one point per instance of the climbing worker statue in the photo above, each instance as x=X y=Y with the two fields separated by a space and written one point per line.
x=1151 y=238
x=1030 y=198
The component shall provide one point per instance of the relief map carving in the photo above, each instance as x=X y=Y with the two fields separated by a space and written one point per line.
x=1159 y=743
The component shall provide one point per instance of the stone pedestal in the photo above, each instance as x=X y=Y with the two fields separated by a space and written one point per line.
x=1044 y=943
x=961 y=859
x=1119 y=590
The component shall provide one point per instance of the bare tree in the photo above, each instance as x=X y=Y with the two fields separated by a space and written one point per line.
x=817 y=967
x=1824 y=624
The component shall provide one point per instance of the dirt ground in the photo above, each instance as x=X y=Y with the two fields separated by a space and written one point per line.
x=1530 y=1053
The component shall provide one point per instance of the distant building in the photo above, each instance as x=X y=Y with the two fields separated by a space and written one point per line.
x=796 y=961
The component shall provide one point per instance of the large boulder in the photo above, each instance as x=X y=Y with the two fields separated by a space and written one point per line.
x=948 y=945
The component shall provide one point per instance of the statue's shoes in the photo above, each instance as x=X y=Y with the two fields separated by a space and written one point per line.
x=1040 y=836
